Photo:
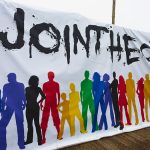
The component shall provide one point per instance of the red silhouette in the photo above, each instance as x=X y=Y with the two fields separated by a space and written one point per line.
x=123 y=100
x=140 y=92
x=52 y=93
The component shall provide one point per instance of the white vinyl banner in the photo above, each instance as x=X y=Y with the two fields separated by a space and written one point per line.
x=65 y=79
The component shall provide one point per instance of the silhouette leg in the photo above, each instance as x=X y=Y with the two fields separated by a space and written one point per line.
x=72 y=125
x=146 y=109
x=130 y=108
x=142 y=114
x=55 y=117
x=135 y=111
x=20 y=128
x=116 y=110
x=37 y=125
x=121 y=116
x=103 y=116
x=69 y=122
x=84 y=113
x=127 y=115
x=111 y=112
x=62 y=127
x=29 y=117
x=44 y=122
x=95 y=116
x=79 y=116
x=7 y=114
x=148 y=104
x=92 y=110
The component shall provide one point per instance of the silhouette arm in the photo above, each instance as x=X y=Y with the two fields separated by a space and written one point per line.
x=23 y=98
x=111 y=86
x=59 y=106
x=93 y=91
x=42 y=95
x=134 y=87
x=58 y=94
x=105 y=89
x=81 y=94
x=41 y=101
x=137 y=90
x=78 y=97
x=118 y=89
x=3 y=100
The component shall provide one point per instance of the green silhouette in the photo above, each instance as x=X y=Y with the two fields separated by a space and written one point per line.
x=87 y=98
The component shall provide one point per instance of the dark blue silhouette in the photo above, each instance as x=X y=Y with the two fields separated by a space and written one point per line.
x=14 y=102
x=98 y=93
x=107 y=99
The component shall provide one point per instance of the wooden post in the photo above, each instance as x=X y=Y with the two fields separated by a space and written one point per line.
x=113 y=11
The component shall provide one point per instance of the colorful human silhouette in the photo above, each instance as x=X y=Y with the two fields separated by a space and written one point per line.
x=140 y=93
x=32 y=109
x=87 y=100
x=52 y=93
x=107 y=99
x=147 y=95
x=63 y=107
x=130 y=88
x=98 y=93
x=14 y=102
x=74 y=98
x=114 y=94
x=123 y=101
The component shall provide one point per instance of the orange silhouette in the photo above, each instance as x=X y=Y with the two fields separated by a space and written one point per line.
x=65 y=114
x=74 y=109
x=130 y=87
x=147 y=95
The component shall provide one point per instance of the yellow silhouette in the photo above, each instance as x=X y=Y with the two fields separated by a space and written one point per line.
x=65 y=115
x=130 y=87
x=147 y=95
x=74 y=109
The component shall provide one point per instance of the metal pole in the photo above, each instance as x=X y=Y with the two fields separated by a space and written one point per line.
x=113 y=11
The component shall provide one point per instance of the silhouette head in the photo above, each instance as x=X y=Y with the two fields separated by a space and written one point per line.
x=63 y=96
x=86 y=74
x=114 y=75
x=11 y=77
x=96 y=76
x=147 y=76
x=72 y=87
x=51 y=76
x=106 y=77
x=121 y=80
x=130 y=75
x=141 y=81
x=34 y=81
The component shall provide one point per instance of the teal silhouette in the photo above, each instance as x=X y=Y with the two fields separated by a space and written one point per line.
x=87 y=98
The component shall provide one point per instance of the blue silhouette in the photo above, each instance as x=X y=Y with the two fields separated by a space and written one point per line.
x=98 y=93
x=14 y=101
x=107 y=99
